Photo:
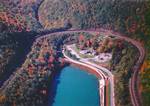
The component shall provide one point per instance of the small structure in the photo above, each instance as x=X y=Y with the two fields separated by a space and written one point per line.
x=103 y=57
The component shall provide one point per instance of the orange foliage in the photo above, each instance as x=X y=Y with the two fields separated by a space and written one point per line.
x=145 y=65
x=9 y=19
x=2 y=98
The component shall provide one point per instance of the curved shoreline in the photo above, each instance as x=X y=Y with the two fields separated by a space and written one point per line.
x=89 y=70
x=133 y=83
x=74 y=86
x=95 y=71
x=135 y=99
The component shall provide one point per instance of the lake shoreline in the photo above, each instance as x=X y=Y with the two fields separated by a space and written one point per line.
x=91 y=71
x=62 y=92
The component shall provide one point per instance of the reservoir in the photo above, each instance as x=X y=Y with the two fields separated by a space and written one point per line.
x=74 y=87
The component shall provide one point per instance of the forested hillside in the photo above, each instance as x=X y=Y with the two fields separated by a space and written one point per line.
x=131 y=18
x=20 y=20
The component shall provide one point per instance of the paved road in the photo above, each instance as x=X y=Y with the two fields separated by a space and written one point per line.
x=133 y=82
x=103 y=72
x=97 y=70
x=102 y=68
